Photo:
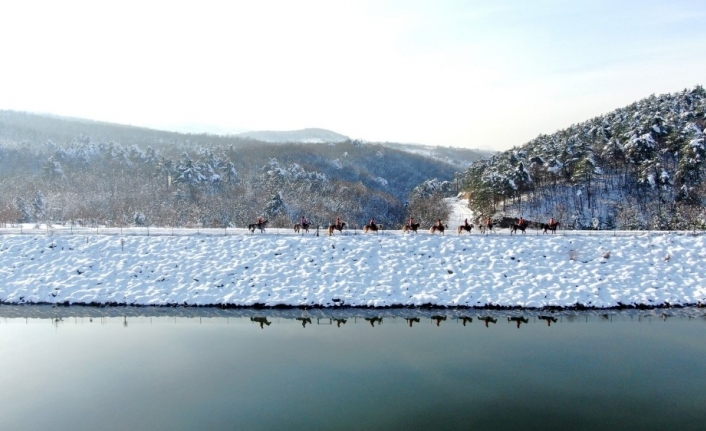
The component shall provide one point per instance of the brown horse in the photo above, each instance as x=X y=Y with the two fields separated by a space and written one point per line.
x=372 y=228
x=302 y=226
x=515 y=227
x=549 y=227
x=438 y=228
x=262 y=225
x=465 y=227
x=410 y=227
x=338 y=227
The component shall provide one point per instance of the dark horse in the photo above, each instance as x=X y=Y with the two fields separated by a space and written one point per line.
x=438 y=228
x=338 y=227
x=372 y=228
x=302 y=226
x=549 y=227
x=410 y=227
x=515 y=227
x=262 y=225
x=466 y=227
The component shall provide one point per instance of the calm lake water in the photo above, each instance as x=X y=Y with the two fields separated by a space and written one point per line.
x=149 y=369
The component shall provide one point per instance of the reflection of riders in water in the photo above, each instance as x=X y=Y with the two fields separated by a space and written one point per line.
x=438 y=319
x=518 y=320
x=262 y=321
x=412 y=320
x=549 y=319
x=304 y=321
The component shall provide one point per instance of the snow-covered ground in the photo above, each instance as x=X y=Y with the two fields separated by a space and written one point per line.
x=234 y=267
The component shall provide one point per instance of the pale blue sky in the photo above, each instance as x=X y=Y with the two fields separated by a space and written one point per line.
x=482 y=74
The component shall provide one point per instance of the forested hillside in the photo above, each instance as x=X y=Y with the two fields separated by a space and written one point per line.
x=62 y=170
x=638 y=167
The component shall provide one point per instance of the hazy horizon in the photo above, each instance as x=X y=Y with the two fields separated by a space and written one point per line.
x=484 y=74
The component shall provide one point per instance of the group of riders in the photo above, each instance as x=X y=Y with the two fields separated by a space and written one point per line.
x=489 y=222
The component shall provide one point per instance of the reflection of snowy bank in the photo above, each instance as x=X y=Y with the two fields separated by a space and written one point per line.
x=329 y=315
x=355 y=270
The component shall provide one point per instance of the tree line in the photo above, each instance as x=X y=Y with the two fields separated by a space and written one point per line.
x=52 y=170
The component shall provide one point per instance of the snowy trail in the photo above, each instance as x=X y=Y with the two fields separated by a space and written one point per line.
x=459 y=212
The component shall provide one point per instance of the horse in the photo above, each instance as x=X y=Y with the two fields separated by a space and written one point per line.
x=372 y=228
x=465 y=227
x=487 y=227
x=262 y=225
x=338 y=227
x=302 y=226
x=515 y=227
x=439 y=228
x=552 y=227
x=410 y=227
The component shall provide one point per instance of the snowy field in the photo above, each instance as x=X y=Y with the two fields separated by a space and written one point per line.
x=279 y=267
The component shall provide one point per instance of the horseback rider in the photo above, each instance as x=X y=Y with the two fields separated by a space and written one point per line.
x=489 y=222
x=552 y=222
x=259 y=221
x=372 y=222
x=465 y=223
x=338 y=223
x=439 y=224
x=522 y=222
x=304 y=221
x=411 y=221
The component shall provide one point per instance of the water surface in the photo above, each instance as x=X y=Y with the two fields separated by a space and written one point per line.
x=88 y=369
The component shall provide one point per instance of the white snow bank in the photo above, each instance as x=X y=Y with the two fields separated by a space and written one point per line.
x=357 y=270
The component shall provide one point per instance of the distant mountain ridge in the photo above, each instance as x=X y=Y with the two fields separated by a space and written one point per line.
x=303 y=136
